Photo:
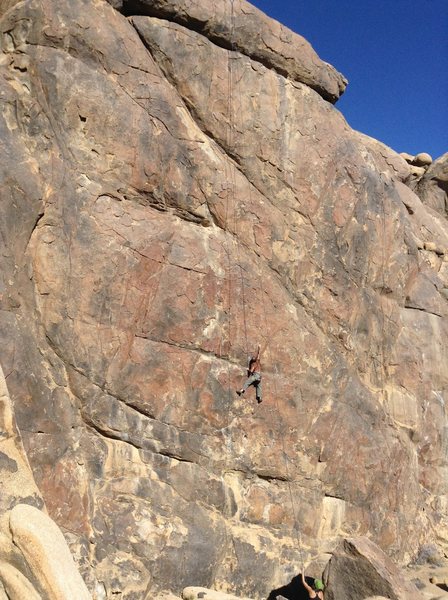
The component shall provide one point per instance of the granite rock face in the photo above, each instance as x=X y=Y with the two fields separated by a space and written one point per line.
x=433 y=187
x=357 y=564
x=241 y=27
x=35 y=561
x=171 y=197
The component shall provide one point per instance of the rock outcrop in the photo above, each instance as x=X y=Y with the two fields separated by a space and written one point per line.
x=359 y=567
x=241 y=27
x=418 y=165
x=433 y=186
x=176 y=190
x=35 y=562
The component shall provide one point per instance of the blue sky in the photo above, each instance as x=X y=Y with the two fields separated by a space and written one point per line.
x=394 y=54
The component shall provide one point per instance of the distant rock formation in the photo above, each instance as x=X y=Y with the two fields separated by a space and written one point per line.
x=175 y=190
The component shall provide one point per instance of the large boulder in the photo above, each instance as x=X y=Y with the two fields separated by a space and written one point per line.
x=46 y=552
x=422 y=159
x=360 y=569
x=35 y=560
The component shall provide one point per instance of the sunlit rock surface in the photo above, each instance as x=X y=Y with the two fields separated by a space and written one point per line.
x=359 y=567
x=170 y=199
x=35 y=561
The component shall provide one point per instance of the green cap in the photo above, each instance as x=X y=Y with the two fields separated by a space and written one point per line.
x=318 y=584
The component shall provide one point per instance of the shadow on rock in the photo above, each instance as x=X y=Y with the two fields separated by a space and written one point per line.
x=294 y=590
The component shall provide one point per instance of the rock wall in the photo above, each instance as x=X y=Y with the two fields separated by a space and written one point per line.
x=174 y=192
x=35 y=562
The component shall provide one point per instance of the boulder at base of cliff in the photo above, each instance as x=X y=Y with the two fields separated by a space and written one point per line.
x=359 y=569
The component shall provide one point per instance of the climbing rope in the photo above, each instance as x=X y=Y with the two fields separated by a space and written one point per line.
x=230 y=144
x=382 y=349
x=226 y=245
x=230 y=214
x=294 y=513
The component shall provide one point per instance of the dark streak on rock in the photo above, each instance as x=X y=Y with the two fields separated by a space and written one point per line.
x=7 y=463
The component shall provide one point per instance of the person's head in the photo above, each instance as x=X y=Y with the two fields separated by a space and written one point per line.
x=318 y=585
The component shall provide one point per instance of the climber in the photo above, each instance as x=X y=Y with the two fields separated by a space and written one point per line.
x=253 y=376
x=316 y=591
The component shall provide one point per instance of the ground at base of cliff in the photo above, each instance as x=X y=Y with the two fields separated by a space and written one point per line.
x=431 y=581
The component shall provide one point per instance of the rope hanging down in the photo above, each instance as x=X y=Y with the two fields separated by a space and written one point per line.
x=231 y=193
x=230 y=215
x=285 y=456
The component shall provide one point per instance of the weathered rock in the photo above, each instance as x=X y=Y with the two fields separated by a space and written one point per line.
x=417 y=172
x=241 y=27
x=197 y=593
x=423 y=159
x=16 y=585
x=433 y=187
x=409 y=158
x=359 y=568
x=439 y=577
x=35 y=561
x=210 y=204
x=429 y=579
x=6 y=5
x=15 y=474
x=47 y=554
